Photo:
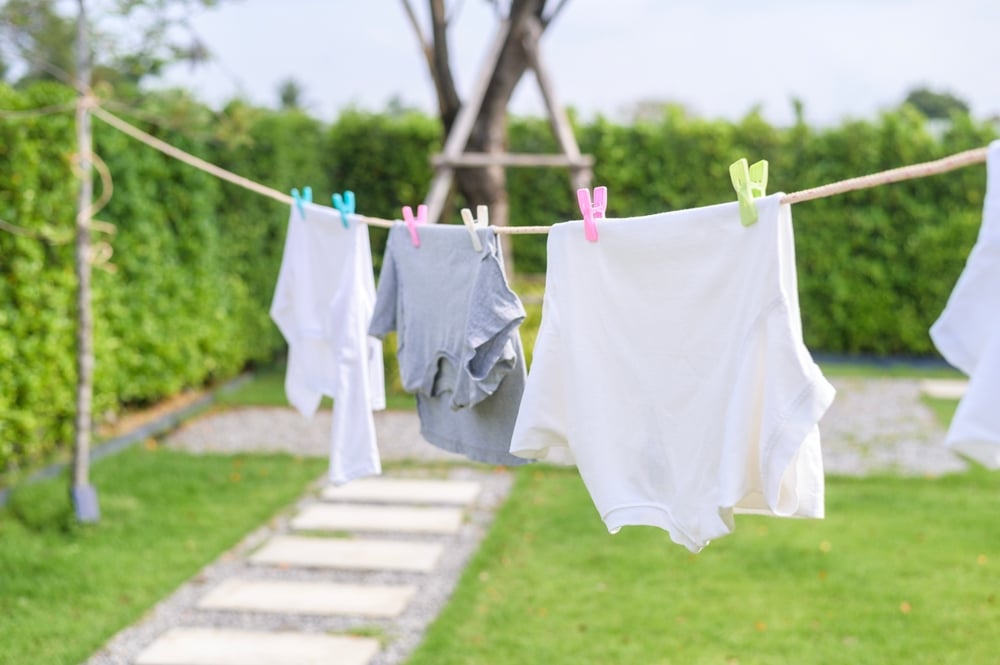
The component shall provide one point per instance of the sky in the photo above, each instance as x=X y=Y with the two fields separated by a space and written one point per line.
x=719 y=58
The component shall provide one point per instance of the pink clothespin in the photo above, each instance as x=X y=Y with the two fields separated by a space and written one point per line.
x=592 y=211
x=412 y=223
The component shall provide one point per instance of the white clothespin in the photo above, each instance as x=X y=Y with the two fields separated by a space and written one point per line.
x=481 y=222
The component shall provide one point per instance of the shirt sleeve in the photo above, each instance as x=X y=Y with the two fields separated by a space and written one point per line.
x=795 y=397
x=366 y=276
x=542 y=420
x=287 y=313
x=495 y=312
x=383 y=319
x=353 y=444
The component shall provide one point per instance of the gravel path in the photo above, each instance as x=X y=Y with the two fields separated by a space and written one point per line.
x=880 y=425
x=399 y=635
x=875 y=425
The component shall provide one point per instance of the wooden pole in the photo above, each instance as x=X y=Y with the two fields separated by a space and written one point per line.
x=83 y=493
x=580 y=169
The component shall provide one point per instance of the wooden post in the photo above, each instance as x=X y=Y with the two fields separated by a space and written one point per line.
x=580 y=172
x=83 y=493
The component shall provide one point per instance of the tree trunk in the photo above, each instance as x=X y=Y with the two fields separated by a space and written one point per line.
x=83 y=494
x=486 y=185
x=489 y=134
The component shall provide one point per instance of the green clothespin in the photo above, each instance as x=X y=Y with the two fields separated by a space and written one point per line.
x=750 y=182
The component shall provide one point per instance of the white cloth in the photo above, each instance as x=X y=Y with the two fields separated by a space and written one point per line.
x=670 y=361
x=322 y=304
x=968 y=333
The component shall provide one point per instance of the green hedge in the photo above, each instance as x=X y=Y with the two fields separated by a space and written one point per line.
x=875 y=266
x=37 y=303
x=196 y=259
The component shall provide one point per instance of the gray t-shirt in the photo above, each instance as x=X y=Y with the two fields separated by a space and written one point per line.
x=459 y=349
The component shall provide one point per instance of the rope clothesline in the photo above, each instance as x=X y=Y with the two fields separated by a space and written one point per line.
x=10 y=114
x=924 y=169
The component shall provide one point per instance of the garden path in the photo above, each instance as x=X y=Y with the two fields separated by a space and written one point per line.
x=354 y=575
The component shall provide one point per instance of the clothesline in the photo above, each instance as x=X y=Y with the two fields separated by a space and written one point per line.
x=924 y=169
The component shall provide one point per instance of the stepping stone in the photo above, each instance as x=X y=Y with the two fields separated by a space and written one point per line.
x=213 y=646
x=405 y=490
x=355 y=517
x=944 y=388
x=321 y=598
x=349 y=554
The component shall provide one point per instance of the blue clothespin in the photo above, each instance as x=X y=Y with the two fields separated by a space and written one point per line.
x=302 y=199
x=344 y=205
x=750 y=182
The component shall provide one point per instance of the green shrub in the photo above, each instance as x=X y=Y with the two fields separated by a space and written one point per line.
x=196 y=259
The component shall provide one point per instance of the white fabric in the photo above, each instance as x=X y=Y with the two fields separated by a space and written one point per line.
x=322 y=304
x=968 y=333
x=670 y=361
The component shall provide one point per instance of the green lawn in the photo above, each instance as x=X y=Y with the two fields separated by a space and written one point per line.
x=888 y=370
x=902 y=571
x=65 y=588
x=944 y=409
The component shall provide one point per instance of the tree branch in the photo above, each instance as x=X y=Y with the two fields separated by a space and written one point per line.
x=510 y=68
x=444 y=81
x=424 y=45
x=555 y=12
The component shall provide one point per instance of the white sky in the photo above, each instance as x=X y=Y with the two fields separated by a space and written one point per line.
x=844 y=58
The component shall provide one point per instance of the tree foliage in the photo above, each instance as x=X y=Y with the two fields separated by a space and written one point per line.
x=290 y=94
x=936 y=104
x=132 y=39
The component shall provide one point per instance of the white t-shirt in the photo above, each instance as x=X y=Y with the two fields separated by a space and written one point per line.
x=670 y=361
x=968 y=333
x=322 y=304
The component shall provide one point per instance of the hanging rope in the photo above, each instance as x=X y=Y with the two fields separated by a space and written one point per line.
x=55 y=237
x=943 y=165
x=922 y=170
x=8 y=114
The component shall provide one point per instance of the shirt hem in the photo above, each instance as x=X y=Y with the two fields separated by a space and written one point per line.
x=474 y=453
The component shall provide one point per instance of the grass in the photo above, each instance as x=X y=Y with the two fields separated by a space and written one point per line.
x=944 y=409
x=902 y=571
x=66 y=588
x=888 y=369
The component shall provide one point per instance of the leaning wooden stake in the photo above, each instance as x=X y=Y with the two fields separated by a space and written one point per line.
x=84 y=494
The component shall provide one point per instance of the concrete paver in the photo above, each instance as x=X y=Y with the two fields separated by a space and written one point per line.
x=219 y=646
x=405 y=490
x=399 y=519
x=944 y=388
x=321 y=598
x=353 y=554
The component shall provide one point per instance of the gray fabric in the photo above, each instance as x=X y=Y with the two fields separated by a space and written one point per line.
x=458 y=346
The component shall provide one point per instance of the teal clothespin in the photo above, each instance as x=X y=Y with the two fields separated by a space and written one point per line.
x=750 y=182
x=344 y=205
x=302 y=199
